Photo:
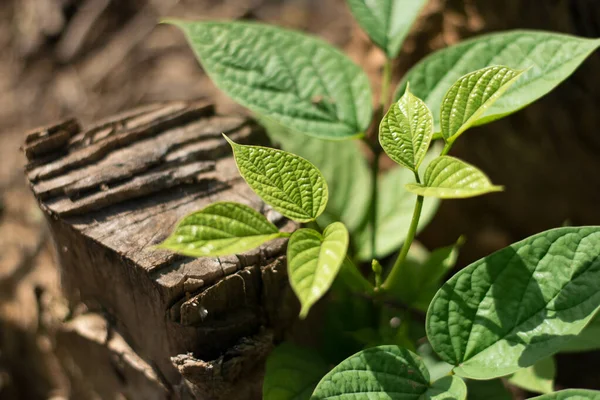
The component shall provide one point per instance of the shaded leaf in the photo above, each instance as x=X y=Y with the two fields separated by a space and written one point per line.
x=571 y=394
x=343 y=166
x=552 y=56
x=587 y=340
x=538 y=378
x=288 y=183
x=221 y=229
x=492 y=389
x=297 y=80
x=469 y=98
x=518 y=305
x=450 y=178
x=292 y=372
x=314 y=261
x=405 y=131
x=385 y=369
x=387 y=22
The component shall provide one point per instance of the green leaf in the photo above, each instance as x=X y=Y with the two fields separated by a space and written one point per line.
x=395 y=207
x=570 y=394
x=391 y=370
x=297 y=80
x=221 y=229
x=493 y=389
x=517 y=305
x=537 y=378
x=343 y=166
x=436 y=367
x=387 y=22
x=314 y=261
x=450 y=178
x=406 y=130
x=587 y=340
x=288 y=183
x=292 y=372
x=469 y=97
x=552 y=56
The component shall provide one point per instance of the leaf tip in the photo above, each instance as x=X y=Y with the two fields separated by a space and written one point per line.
x=407 y=90
x=231 y=142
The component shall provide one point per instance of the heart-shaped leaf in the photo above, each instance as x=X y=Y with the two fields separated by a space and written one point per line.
x=551 y=56
x=221 y=229
x=288 y=183
x=517 y=305
x=314 y=261
x=405 y=131
x=450 y=178
x=395 y=207
x=538 y=378
x=292 y=373
x=386 y=370
x=297 y=80
x=570 y=394
x=470 y=96
x=387 y=22
x=343 y=166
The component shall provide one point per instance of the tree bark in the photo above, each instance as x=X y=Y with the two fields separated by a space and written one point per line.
x=162 y=323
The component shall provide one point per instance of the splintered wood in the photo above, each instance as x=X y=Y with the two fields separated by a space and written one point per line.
x=111 y=192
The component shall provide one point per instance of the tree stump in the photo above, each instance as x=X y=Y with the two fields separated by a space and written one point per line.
x=146 y=323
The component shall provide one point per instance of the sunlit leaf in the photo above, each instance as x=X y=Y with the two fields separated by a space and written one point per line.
x=297 y=80
x=471 y=96
x=406 y=130
x=221 y=229
x=288 y=183
x=314 y=261
x=450 y=178
x=387 y=22
x=373 y=372
x=570 y=394
x=587 y=340
x=518 y=305
x=551 y=56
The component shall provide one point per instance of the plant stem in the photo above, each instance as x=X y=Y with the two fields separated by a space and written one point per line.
x=447 y=148
x=385 y=84
x=373 y=202
x=373 y=144
x=393 y=278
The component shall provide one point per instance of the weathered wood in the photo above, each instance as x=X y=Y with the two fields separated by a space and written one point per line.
x=115 y=190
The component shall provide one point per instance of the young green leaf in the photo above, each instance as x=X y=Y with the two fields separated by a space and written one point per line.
x=450 y=178
x=570 y=394
x=518 y=305
x=537 y=378
x=587 y=340
x=395 y=207
x=297 y=80
x=386 y=370
x=386 y=21
x=405 y=131
x=552 y=56
x=343 y=166
x=314 y=261
x=470 y=96
x=292 y=373
x=221 y=229
x=288 y=183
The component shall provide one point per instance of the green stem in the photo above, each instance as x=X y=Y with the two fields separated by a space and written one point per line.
x=373 y=201
x=386 y=83
x=393 y=278
x=447 y=147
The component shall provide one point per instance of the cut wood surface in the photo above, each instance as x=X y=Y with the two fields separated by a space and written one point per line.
x=114 y=190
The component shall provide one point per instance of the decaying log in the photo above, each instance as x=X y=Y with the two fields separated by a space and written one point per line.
x=114 y=190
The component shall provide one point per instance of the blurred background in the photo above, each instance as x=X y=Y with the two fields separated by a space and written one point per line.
x=92 y=58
